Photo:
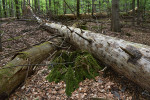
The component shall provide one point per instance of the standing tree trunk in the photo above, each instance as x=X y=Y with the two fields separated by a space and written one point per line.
x=78 y=8
x=1 y=15
x=46 y=6
x=49 y=4
x=4 y=8
x=93 y=8
x=17 y=9
x=32 y=3
x=138 y=12
x=28 y=1
x=1 y=42
x=133 y=12
x=36 y=5
x=115 y=22
x=39 y=6
x=64 y=7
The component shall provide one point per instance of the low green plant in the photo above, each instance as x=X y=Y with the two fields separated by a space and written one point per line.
x=72 y=68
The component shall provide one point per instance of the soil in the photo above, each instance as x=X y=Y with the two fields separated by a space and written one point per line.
x=108 y=85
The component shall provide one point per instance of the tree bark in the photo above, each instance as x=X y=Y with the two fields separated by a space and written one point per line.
x=93 y=7
x=133 y=11
x=1 y=43
x=14 y=73
x=49 y=4
x=1 y=15
x=78 y=8
x=128 y=58
x=17 y=9
x=138 y=12
x=115 y=22
x=4 y=8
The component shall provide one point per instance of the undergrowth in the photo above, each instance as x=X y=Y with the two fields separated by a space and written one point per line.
x=81 y=65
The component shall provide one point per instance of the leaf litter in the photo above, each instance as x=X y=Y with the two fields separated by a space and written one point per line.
x=109 y=85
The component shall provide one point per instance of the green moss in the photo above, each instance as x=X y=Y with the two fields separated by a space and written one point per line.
x=83 y=66
x=84 y=27
x=42 y=44
x=23 y=55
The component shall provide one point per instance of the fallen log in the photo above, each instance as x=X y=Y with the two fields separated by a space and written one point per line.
x=130 y=59
x=15 y=72
x=7 y=19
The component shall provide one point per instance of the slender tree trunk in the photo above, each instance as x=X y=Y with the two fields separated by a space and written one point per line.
x=1 y=15
x=133 y=12
x=7 y=8
x=144 y=8
x=64 y=7
x=17 y=9
x=115 y=22
x=28 y=1
x=4 y=8
x=49 y=4
x=78 y=8
x=54 y=7
x=46 y=6
x=92 y=8
x=33 y=4
x=36 y=5
x=10 y=8
x=0 y=42
x=138 y=12
x=39 y=6
x=99 y=3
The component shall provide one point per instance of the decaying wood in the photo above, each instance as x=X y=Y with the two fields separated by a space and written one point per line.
x=7 y=19
x=128 y=58
x=14 y=73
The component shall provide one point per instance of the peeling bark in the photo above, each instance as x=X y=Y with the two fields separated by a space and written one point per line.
x=130 y=59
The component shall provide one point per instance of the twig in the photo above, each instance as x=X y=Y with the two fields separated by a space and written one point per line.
x=89 y=40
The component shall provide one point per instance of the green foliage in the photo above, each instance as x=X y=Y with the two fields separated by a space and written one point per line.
x=58 y=6
x=83 y=66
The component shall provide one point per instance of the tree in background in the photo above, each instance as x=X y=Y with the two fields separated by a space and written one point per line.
x=4 y=8
x=0 y=43
x=78 y=8
x=115 y=21
x=133 y=12
x=17 y=9
x=93 y=8
x=138 y=12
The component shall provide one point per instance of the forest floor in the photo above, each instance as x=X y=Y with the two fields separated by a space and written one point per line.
x=109 y=84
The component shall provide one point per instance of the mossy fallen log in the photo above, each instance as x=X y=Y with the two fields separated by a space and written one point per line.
x=130 y=59
x=14 y=73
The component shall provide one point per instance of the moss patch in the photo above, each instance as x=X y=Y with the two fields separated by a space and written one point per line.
x=73 y=67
